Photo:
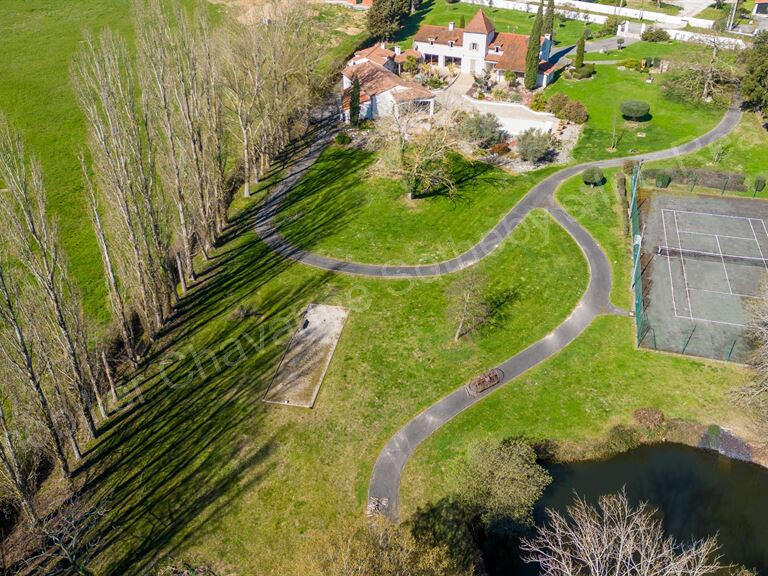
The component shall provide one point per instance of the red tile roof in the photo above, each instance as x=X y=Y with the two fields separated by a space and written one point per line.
x=480 y=24
x=400 y=58
x=375 y=53
x=439 y=34
x=375 y=79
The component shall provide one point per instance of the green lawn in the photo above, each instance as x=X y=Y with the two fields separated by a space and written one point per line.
x=38 y=40
x=204 y=469
x=339 y=210
x=440 y=12
x=596 y=382
x=744 y=150
x=599 y=210
x=672 y=122
x=676 y=51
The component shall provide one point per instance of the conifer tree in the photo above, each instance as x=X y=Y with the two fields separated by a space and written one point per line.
x=534 y=50
x=549 y=20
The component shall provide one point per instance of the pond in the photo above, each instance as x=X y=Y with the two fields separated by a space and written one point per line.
x=699 y=492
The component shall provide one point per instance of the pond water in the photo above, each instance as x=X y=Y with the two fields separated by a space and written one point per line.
x=699 y=492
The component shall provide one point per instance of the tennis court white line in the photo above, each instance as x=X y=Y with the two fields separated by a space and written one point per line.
x=707 y=214
x=726 y=293
x=682 y=262
x=669 y=263
x=711 y=321
x=756 y=240
x=728 y=280
x=720 y=235
x=715 y=254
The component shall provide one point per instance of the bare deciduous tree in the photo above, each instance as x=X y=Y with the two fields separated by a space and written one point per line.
x=468 y=303
x=124 y=164
x=18 y=356
x=34 y=242
x=615 y=538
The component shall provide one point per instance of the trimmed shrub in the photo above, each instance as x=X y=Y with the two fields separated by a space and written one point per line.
x=759 y=183
x=557 y=102
x=635 y=109
x=342 y=138
x=583 y=72
x=632 y=64
x=575 y=112
x=593 y=177
x=653 y=34
x=663 y=180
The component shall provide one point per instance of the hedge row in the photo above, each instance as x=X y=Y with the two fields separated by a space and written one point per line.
x=733 y=181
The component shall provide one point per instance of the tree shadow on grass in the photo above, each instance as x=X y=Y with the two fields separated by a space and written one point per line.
x=191 y=441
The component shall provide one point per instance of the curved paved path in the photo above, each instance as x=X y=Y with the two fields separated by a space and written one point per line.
x=385 y=480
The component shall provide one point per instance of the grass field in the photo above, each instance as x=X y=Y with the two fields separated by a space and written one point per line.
x=599 y=210
x=205 y=470
x=672 y=122
x=675 y=51
x=440 y=12
x=744 y=151
x=338 y=209
x=596 y=382
x=39 y=38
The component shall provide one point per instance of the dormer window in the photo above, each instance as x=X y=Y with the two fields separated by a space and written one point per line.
x=496 y=49
x=431 y=41
x=450 y=43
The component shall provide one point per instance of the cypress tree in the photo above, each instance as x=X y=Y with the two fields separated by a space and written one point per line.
x=462 y=21
x=549 y=20
x=534 y=49
x=354 y=102
x=579 y=60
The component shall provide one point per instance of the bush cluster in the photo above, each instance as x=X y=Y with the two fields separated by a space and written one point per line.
x=343 y=138
x=759 y=183
x=653 y=34
x=583 y=72
x=566 y=109
x=632 y=64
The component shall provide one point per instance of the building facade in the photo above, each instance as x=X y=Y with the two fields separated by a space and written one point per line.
x=478 y=48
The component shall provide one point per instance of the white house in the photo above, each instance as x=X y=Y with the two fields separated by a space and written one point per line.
x=382 y=92
x=478 y=47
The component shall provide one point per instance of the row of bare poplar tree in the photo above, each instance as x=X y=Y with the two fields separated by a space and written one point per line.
x=172 y=132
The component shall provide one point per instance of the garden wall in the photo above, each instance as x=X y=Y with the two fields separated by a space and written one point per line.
x=576 y=9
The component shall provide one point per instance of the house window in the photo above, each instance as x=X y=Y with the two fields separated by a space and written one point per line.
x=450 y=43
x=455 y=60
x=473 y=46
x=431 y=41
x=496 y=49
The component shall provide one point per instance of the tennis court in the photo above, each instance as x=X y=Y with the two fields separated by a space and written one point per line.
x=703 y=261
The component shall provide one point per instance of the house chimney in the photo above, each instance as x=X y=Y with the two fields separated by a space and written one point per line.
x=397 y=50
x=451 y=25
x=383 y=45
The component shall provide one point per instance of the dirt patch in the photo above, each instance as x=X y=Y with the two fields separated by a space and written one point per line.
x=301 y=371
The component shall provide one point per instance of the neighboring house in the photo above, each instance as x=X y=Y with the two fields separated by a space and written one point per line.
x=761 y=7
x=478 y=47
x=382 y=92
x=379 y=54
